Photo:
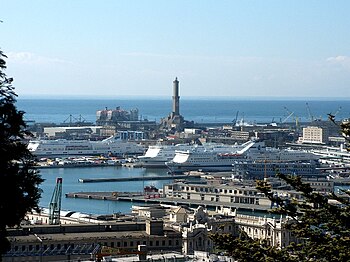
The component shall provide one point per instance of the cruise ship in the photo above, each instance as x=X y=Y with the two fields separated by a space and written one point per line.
x=215 y=160
x=157 y=155
x=334 y=155
x=208 y=159
x=113 y=146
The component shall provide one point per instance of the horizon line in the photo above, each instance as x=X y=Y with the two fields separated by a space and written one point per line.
x=138 y=97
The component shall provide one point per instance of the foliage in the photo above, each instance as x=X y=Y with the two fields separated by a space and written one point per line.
x=20 y=192
x=320 y=223
x=344 y=128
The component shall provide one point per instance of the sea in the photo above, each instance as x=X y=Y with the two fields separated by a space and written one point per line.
x=201 y=110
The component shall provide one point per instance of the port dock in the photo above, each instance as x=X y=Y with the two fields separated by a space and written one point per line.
x=139 y=178
x=155 y=198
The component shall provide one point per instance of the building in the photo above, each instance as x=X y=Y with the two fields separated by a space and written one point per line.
x=273 y=230
x=314 y=135
x=123 y=120
x=81 y=241
x=108 y=116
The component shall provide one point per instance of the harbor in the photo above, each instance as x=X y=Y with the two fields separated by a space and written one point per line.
x=71 y=176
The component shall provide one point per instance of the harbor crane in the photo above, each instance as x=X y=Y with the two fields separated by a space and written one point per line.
x=337 y=112
x=332 y=116
x=311 y=117
x=55 y=203
x=234 y=121
x=288 y=116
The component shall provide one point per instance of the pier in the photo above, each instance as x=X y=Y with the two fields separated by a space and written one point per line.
x=156 y=198
x=140 y=178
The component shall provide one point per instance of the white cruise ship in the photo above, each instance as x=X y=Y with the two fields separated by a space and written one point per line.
x=62 y=147
x=157 y=155
x=215 y=160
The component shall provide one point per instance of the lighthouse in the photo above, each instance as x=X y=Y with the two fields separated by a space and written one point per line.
x=174 y=121
x=176 y=98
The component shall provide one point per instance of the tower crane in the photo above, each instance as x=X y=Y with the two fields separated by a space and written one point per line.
x=55 y=203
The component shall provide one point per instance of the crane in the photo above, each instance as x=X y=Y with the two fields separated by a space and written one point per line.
x=55 y=203
x=337 y=112
x=234 y=121
x=311 y=117
x=288 y=116
x=332 y=116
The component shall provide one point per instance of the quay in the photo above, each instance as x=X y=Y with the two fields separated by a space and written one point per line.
x=156 y=198
x=140 y=178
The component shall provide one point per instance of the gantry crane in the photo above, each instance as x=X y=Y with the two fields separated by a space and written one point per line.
x=55 y=203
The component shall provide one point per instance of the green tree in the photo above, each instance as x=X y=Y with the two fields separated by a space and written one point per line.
x=20 y=192
x=320 y=222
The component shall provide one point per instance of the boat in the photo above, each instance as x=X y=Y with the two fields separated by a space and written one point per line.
x=217 y=161
x=111 y=146
x=157 y=155
x=209 y=159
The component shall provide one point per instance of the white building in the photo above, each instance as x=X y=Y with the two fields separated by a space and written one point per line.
x=314 y=135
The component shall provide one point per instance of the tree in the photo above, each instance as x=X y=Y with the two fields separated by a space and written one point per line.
x=320 y=222
x=20 y=192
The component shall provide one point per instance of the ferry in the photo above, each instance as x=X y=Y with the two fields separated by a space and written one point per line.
x=213 y=160
x=334 y=155
x=112 y=146
x=157 y=155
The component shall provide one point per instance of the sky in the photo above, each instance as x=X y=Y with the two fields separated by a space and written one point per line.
x=216 y=48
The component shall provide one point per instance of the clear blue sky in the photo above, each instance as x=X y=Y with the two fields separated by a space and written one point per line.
x=232 y=48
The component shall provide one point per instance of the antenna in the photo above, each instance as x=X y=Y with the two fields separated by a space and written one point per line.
x=55 y=203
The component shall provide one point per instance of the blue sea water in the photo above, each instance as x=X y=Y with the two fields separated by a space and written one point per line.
x=201 y=110
x=70 y=183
